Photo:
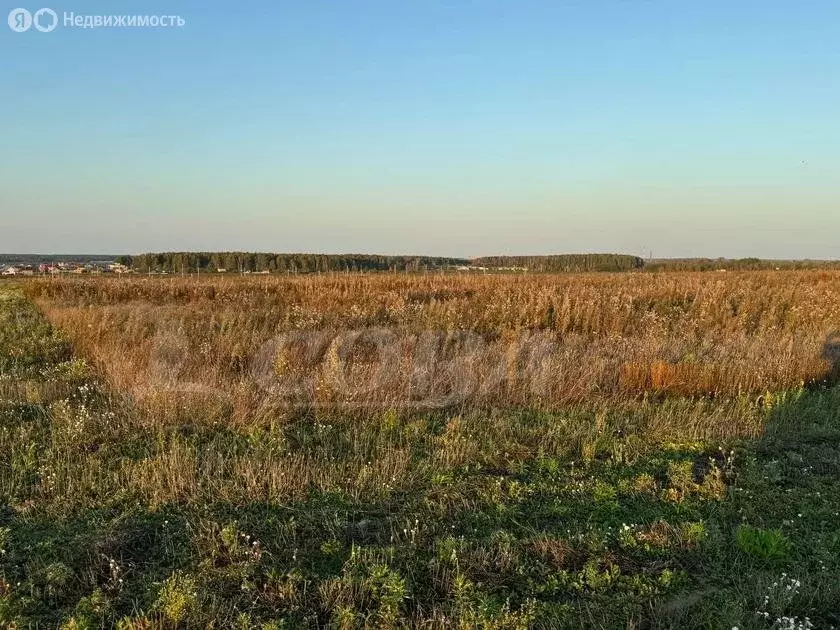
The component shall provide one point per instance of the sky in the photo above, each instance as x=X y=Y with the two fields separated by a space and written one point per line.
x=449 y=127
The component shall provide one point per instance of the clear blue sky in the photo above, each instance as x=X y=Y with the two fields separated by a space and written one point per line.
x=460 y=127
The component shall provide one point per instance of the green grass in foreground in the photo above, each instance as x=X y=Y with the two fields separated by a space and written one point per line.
x=621 y=531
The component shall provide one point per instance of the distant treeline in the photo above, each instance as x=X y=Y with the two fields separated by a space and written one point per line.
x=36 y=259
x=176 y=262
x=563 y=262
x=236 y=262
x=736 y=264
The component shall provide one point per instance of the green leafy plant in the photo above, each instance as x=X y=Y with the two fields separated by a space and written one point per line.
x=178 y=599
x=770 y=545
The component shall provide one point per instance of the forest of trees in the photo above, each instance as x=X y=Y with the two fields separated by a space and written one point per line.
x=564 y=262
x=235 y=262
x=34 y=259
x=176 y=262
x=232 y=262
x=253 y=262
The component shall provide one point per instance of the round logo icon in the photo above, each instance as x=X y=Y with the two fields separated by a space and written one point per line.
x=20 y=20
x=45 y=20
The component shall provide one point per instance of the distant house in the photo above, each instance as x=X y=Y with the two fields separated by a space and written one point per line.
x=19 y=271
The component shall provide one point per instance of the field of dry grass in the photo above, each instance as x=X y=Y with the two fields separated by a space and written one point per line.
x=493 y=340
x=499 y=451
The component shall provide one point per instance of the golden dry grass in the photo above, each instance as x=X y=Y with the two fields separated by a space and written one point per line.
x=440 y=340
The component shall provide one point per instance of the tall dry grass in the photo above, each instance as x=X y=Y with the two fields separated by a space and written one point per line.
x=438 y=340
